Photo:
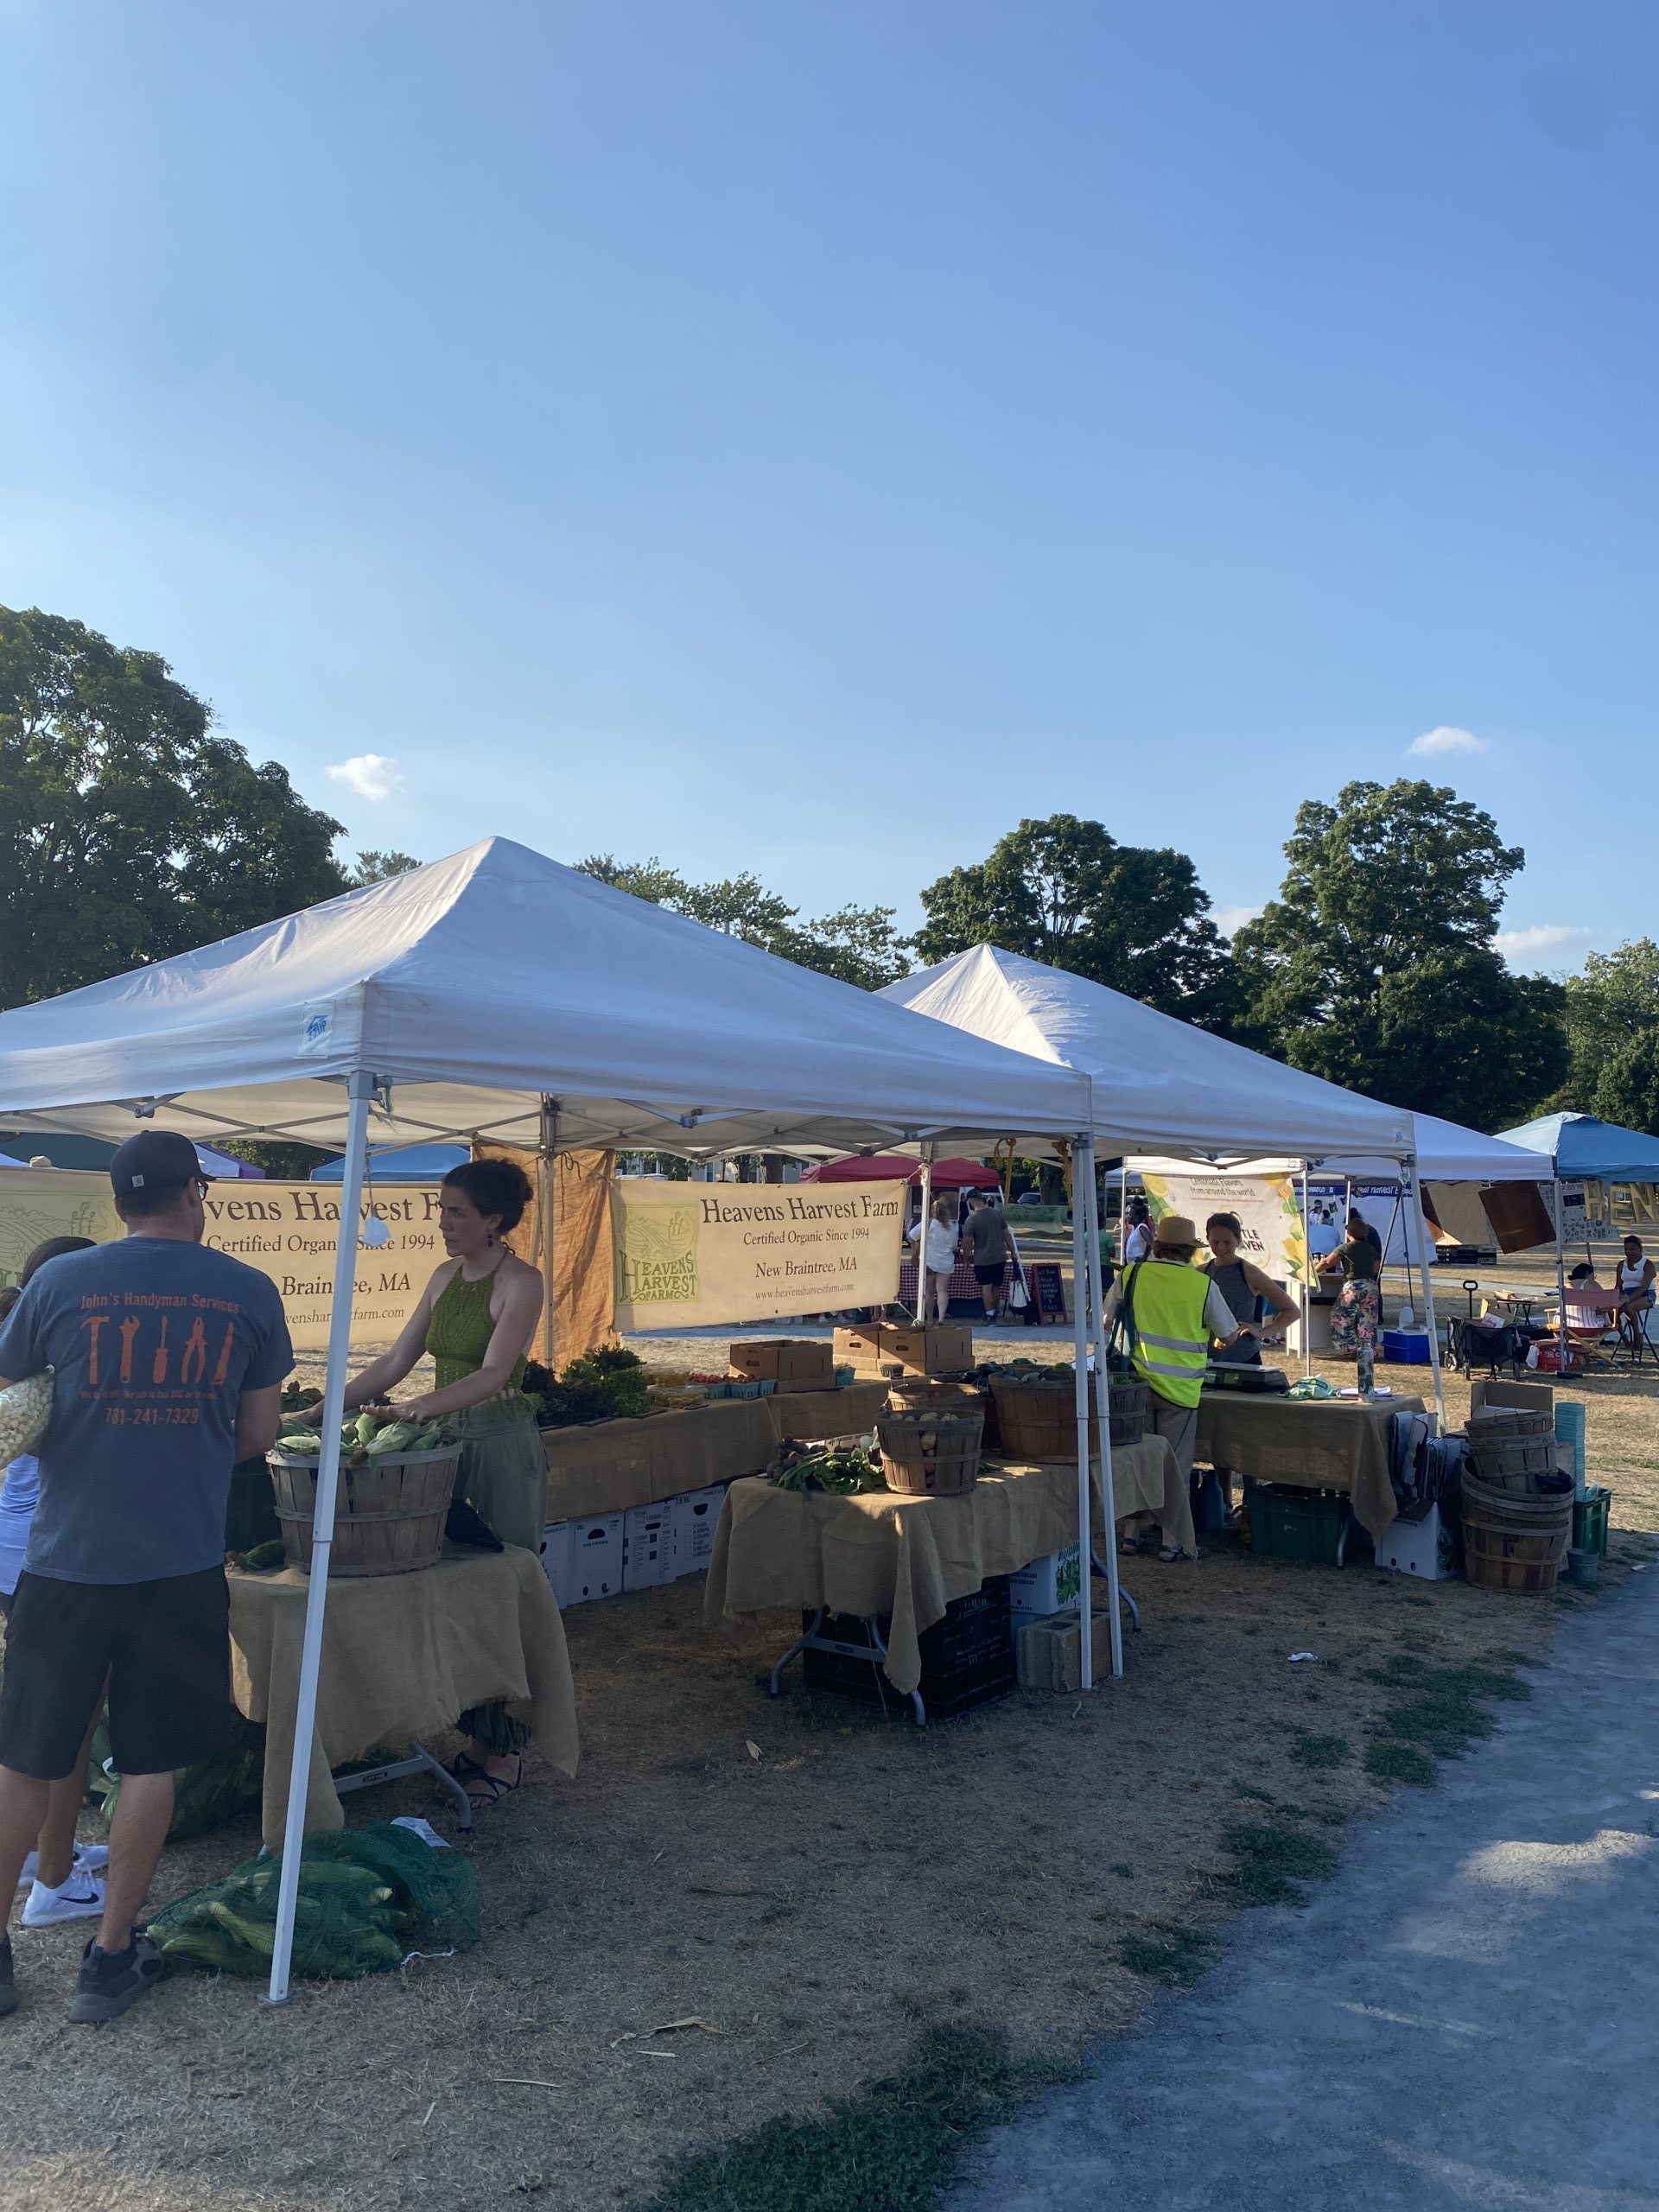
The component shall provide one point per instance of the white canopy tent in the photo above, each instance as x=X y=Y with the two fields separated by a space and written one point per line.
x=498 y=995
x=1165 y=1092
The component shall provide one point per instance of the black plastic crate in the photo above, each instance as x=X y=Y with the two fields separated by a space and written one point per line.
x=968 y=1658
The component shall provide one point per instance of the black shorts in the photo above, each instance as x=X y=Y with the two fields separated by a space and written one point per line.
x=996 y=1274
x=166 y=1648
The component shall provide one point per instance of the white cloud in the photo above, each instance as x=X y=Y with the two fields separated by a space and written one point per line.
x=371 y=775
x=1229 y=919
x=1446 y=738
x=1526 y=948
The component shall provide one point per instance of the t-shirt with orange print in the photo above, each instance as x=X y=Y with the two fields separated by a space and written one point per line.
x=152 y=1341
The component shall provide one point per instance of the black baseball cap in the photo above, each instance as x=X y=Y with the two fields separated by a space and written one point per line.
x=154 y=1164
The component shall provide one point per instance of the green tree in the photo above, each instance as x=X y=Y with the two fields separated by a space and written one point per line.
x=1066 y=892
x=374 y=867
x=128 y=830
x=1612 y=1030
x=1375 y=967
x=857 y=945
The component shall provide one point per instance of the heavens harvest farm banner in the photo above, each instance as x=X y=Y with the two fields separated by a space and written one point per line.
x=688 y=1253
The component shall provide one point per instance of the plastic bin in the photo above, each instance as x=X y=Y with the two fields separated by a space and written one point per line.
x=968 y=1658
x=1304 y=1524
x=1590 y=1519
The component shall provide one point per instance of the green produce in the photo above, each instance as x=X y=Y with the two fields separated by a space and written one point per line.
x=843 y=1474
x=399 y=1436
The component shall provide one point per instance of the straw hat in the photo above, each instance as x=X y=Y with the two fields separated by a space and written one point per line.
x=1175 y=1229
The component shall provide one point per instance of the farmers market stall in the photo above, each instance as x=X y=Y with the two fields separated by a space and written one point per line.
x=497 y=996
x=885 y=1555
x=401 y=1656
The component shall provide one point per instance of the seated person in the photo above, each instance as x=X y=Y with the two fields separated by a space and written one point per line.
x=1588 y=1302
x=1633 y=1289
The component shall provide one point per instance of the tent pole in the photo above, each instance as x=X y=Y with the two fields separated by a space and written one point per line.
x=1556 y=1209
x=921 y=1249
x=360 y=1090
x=1080 y=1361
x=1306 y=1270
x=548 y=1164
x=1410 y=1165
x=1102 y=1395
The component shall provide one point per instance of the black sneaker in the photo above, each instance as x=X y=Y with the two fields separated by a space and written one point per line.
x=110 y=1981
x=8 y=1984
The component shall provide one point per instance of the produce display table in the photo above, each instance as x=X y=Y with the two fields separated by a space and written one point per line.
x=1311 y=1443
x=909 y=1557
x=611 y=1466
x=402 y=1656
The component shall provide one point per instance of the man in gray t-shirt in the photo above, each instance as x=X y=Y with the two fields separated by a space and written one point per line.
x=987 y=1234
x=167 y=1362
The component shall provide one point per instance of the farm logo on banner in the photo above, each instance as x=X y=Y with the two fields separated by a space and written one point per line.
x=691 y=1254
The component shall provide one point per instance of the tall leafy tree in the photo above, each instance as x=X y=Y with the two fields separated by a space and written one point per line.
x=1376 y=967
x=373 y=867
x=857 y=945
x=128 y=830
x=1066 y=892
x=1612 y=1031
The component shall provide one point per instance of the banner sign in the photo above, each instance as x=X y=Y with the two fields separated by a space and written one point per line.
x=691 y=1254
x=1266 y=1206
x=286 y=1230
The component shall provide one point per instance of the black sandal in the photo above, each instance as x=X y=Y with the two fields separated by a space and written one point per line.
x=484 y=1788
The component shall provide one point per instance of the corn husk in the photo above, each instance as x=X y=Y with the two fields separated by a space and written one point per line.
x=25 y=1410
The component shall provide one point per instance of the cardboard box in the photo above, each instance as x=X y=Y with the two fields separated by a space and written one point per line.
x=594 y=1561
x=792 y=1362
x=648 y=1546
x=1528 y=1397
x=939 y=1348
x=1419 y=1548
x=1049 y=1651
x=556 y=1557
x=697 y=1516
x=1047 y=1585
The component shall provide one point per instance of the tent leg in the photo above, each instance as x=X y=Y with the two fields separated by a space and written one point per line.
x=1102 y=1395
x=1409 y=1166
x=921 y=1246
x=360 y=1091
x=1555 y=1209
x=1080 y=1359
x=1308 y=1269
x=548 y=1164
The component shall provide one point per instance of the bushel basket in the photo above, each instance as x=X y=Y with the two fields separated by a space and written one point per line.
x=1038 y=1420
x=1513 y=1543
x=930 y=1454
x=389 y=1512
x=1511 y=1463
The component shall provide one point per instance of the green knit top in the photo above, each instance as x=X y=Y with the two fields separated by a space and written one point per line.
x=458 y=1335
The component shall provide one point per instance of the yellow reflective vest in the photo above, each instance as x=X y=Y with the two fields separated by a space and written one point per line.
x=1171 y=1343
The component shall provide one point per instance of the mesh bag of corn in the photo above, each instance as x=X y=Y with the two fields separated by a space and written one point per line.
x=25 y=1409
x=368 y=1898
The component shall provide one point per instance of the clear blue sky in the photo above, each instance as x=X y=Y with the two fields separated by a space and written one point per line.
x=807 y=436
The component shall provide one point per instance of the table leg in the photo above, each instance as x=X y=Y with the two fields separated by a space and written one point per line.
x=875 y=1652
x=1124 y=1598
x=775 y=1687
x=420 y=1761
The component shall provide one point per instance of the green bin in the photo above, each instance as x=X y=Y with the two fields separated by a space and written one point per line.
x=1590 y=1519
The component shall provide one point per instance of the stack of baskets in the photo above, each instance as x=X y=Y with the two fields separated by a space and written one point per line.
x=1517 y=1507
x=1037 y=1419
x=936 y=1393
x=930 y=1454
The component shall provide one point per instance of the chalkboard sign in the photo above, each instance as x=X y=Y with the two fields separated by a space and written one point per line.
x=1047 y=1289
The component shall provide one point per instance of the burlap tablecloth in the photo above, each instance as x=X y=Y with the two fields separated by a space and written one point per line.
x=909 y=1557
x=402 y=1656
x=1313 y=1443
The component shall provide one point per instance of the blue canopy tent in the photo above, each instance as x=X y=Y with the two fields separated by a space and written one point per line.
x=400 y=1163
x=1587 y=1150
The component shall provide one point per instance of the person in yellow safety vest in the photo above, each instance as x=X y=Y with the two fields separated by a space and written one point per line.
x=1175 y=1310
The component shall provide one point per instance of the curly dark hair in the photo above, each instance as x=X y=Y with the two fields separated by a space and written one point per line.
x=494 y=1186
x=53 y=1248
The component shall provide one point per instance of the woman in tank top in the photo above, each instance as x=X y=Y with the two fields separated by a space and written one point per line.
x=476 y=1317
x=1633 y=1287
x=1246 y=1290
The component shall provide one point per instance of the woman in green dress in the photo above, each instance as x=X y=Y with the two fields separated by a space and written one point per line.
x=477 y=1317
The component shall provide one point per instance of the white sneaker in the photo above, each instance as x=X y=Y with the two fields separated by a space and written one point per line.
x=81 y=1897
x=90 y=1859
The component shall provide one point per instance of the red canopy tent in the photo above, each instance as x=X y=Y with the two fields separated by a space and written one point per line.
x=894 y=1167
